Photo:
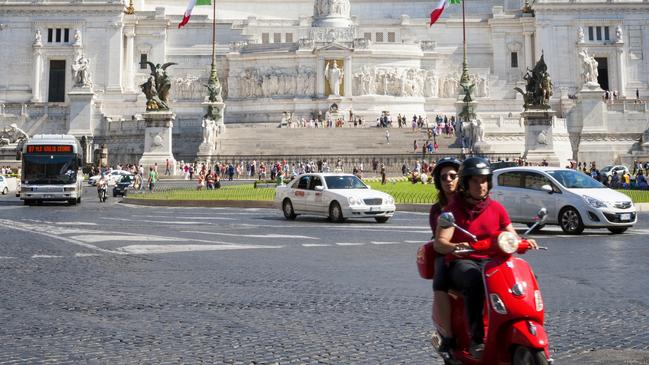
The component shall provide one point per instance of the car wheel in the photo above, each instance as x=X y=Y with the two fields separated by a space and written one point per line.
x=538 y=228
x=27 y=202
x=5 y=191
x=79 y=200
x=617 y=230
x=72 y=201
x=570 y=221
x=336 y=213
x=287 y=208
x=381 y=219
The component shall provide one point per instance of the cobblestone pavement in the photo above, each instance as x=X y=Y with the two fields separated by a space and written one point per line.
x=113 y=284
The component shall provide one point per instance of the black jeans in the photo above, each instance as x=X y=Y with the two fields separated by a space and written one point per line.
x=466 y=276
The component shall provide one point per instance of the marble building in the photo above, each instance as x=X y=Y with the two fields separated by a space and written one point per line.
x=300 y=56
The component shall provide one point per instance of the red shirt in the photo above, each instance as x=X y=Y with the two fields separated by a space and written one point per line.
x=485 y=224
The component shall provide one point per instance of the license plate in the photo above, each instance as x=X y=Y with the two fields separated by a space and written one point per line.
x=374 y=209
x=625 y=217
x=46 y=196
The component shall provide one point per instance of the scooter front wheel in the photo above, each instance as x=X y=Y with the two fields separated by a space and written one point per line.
x=527 y=356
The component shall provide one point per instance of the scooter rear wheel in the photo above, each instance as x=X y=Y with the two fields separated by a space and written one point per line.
x=526 y=356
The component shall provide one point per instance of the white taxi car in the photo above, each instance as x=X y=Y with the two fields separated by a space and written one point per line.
x=337 y=196
x=573 y=199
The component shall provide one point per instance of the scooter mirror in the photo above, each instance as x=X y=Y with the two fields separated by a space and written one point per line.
x=542 y=214
x=446 y=220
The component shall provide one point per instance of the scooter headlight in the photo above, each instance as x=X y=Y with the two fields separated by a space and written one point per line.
x=497 y=304
x=538 y=300
x=508 y=242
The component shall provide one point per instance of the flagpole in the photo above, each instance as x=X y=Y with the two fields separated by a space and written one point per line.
x=465 y=64
x=214 y=85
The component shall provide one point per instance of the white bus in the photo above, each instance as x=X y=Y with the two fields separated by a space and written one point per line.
x=51 y=169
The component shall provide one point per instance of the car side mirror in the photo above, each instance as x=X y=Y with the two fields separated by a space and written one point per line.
x=547 y=188
x=446 y=220
x=319 y=188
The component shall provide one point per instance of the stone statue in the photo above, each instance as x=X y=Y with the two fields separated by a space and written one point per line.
x=209 y=131
x=538 y=89
x=37 y=38
x=590 y=72
x=479 y=131
x=12 y=134
x=335 y=76
x=618 y=34
x=157 y=87
x=468 y=90
x=580 y=34
x=80 y=72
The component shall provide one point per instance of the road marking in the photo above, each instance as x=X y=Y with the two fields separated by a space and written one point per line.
x=158 y=249
x=350 y=243
x=46 y=257
x=40 y=229
x=82 y=254
x=420 y=241
x=163 y=222
x=385 y=243
x=95 y=238
x=316 y=245
x=6 y=257
x=271 y=235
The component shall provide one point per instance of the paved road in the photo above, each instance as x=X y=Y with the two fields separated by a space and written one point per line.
x=112 y=283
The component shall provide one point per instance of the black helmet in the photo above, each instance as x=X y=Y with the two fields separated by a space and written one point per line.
x=474 y=166
x=442 y=162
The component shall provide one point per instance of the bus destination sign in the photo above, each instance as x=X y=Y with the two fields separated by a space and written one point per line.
x=47 y=148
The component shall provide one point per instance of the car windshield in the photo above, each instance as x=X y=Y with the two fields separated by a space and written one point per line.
x=575 y=180
x=606 y=168
x=344 y=182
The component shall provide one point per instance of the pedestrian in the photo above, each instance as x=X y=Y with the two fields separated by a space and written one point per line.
x=415 y=146
x=387 y=136
x=637 y=94
x=167 y=167
x=436 y=146
x=383 y=179
x=153 y=178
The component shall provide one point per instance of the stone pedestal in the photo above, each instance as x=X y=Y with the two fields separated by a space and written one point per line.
x=213 y=128
x=539 y=138
x=592 y=128
x=81 y=112
x=158 y=141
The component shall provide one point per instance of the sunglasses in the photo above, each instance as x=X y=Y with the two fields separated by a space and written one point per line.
x=448 y=176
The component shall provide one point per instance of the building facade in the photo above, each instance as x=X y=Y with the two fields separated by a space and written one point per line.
x=76 y=66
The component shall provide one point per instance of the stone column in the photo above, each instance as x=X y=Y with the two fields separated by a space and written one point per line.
x=38 y=72
x=130 y=39
x=620 y=72
x=320 y=78
x=158 y=141
x=349 y=77
x=115 y=56
x=529 y=52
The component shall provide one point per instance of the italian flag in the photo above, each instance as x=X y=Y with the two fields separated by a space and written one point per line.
x=439 y=9
x=190 y=7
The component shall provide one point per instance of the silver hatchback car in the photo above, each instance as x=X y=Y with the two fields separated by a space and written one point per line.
x=573 y=200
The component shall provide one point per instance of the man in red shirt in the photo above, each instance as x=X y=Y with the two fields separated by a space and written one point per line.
x=483 y=217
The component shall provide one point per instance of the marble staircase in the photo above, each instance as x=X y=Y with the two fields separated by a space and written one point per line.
x=338 y=141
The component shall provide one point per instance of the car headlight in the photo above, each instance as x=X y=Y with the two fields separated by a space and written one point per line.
x=595 y=203
x=508 y=242
x=354 y=200
x=388 y=200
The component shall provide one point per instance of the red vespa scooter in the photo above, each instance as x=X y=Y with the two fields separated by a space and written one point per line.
x=513 y=310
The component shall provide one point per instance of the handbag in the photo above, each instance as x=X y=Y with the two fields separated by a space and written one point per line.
x=426 y=260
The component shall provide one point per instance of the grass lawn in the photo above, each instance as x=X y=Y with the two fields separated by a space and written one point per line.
x=403 y=192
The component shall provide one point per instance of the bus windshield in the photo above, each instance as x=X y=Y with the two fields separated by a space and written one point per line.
x=50 y=169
